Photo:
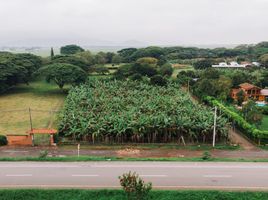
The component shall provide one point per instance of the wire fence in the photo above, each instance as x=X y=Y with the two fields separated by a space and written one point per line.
x=18 y=121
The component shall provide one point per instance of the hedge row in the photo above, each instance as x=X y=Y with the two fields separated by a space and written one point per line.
x=250 y=129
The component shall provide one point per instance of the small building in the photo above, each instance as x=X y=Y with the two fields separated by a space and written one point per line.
x=250 y=91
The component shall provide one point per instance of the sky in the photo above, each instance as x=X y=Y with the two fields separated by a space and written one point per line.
x=132 y=22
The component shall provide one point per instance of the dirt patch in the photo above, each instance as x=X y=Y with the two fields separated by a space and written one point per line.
x=130 y=152
x=237 y=138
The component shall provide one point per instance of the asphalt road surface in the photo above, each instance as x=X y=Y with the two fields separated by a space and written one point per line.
x=163 y=175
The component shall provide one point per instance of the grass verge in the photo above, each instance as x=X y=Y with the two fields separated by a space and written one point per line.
x=94 y=158
x=71 y=194
x=148 y=147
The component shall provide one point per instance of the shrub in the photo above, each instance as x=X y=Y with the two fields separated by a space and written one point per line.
x=3 y=140
x=43 y=154
x=206 y=155
x=134 y=186
x=166 y=70
x=158 y=80
x=136 y=77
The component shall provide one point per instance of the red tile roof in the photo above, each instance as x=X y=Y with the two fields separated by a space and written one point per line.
x=247 y=86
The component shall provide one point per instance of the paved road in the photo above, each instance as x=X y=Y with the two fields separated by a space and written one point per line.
x=163 y=175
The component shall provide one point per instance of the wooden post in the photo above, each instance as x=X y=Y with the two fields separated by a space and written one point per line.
x=30 y=115
x=214 y=128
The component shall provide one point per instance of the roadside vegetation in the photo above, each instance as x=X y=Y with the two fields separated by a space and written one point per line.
x=75 y=194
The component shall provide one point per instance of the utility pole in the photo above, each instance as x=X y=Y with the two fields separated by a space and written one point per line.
x=30 y=115
x=214 y=128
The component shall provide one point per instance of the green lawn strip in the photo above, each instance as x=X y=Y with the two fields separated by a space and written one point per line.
x=264 y=125
x=149 y=146
x=76 y=194
x=95 y=158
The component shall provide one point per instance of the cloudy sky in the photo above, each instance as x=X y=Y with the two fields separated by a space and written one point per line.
x=130 y=22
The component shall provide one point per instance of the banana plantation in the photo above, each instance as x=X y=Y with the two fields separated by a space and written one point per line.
x=129 y=111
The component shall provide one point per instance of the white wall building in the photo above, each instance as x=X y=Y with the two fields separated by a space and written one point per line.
x=232 y=64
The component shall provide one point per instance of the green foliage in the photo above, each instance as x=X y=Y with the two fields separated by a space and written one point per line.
x=43 y=154
x=62 y=73
x=134 y=186
x=71 y=49
x=264 y=60
x=155 y=52
x=203 y=64
x=73 y=60
x=51 y=53
x=100 y=58
x=86 y=56
x=147 y=60
x=252 y=113
x=3 y=140
x=240 y=97
x=158 y=80
x=76 y=194
x=206 y=155
x=136 y=77
x=17 y=68
x=144 y=69
x=116 y=59
x=137 y=112
x=166 y=70
x=99 y=69
x=124 y=71
x=249 y=129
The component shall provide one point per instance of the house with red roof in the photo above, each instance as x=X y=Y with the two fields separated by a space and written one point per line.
x=250 y=91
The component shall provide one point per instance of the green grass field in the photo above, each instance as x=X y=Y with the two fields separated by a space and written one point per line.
x=39 y=96
x=264 y=125
x=75 y=194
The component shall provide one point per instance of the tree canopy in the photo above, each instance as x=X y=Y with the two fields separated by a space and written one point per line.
x=63 y=73
x=71 y=49
x=17 y=68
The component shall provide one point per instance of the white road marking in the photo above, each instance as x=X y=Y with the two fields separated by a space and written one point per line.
x=153 y=175
x=85 y=175
x=18 y=175
x=182 y=166
x=41 y=166
x=217 y=176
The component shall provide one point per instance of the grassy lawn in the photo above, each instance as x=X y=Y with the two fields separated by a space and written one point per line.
x=14 y=106
x=75 y=194
x=264 y=125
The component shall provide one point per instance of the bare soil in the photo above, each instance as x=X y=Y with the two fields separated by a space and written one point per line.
x=9 y=151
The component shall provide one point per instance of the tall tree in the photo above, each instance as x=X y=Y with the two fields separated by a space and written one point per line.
x=71 y=49
x=51 y=53
x=62 y=73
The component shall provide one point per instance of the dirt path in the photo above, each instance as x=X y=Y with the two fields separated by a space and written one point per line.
x=238 y=138
x=9 y=151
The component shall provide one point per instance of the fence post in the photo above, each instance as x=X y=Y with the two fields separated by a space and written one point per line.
x=30 y=115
